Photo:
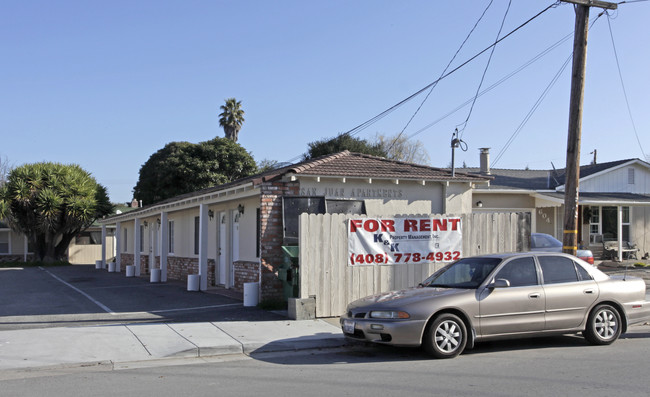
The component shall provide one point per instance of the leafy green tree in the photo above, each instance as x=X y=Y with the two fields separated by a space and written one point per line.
x=400 y=148
x=340 y=143
x=51 y=203
x=231 y=118
x=183 y=167
x=267 y=165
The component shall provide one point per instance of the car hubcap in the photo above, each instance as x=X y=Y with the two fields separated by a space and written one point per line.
x=448 y=336
x=606 y=325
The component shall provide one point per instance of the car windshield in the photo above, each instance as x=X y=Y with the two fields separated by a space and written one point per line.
x=465 y=273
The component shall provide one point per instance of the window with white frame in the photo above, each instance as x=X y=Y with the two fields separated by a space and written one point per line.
x=603 y=224
x=171 y=237
x=125 y=241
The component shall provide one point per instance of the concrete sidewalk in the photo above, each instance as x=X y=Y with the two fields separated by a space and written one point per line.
x=113 y=344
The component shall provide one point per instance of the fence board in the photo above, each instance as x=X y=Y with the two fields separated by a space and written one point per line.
x=324 y=247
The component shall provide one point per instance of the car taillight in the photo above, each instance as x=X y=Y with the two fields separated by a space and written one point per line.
x=588 y=259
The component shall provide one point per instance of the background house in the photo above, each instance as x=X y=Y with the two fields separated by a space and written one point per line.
x=614 y=200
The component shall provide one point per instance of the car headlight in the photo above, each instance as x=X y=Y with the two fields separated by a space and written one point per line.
x=389 y=314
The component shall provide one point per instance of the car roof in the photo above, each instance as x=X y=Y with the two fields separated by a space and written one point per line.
x=505 y=255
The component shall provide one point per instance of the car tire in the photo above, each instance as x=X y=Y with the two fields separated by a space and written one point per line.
x=446 y=336
x=604 y=325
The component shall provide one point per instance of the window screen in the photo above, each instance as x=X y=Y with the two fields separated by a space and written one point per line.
x=345 y=207
x=292 y=207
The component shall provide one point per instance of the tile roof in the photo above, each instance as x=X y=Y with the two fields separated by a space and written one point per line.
x=342 y=164
x=349 y=164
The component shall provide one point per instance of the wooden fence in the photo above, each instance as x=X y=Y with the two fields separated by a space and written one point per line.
x=324 y=272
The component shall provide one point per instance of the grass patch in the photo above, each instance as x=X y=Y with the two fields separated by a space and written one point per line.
x=34 y=264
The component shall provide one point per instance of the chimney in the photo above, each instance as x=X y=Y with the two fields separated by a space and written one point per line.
x=485 y=160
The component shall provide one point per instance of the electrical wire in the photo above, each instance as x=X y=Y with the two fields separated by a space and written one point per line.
x=620 y=76
x=487 y=65
x=441 y=74
x=537 y=103
x=532 y=110
x=496 y=84
x=364 y=125
x=381 y=115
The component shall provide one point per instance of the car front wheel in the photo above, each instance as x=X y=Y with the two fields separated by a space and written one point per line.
x=603 y=325
x=446 y=336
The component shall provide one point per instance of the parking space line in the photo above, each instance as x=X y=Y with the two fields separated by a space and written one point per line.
x=185 y=309
x=195 y=308
x=93 y=300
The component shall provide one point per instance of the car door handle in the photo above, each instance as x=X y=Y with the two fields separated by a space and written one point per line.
x=534 y=295
x=588 y=291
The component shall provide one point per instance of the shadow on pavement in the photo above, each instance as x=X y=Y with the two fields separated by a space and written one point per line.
x=82 y=295
x=362 y=352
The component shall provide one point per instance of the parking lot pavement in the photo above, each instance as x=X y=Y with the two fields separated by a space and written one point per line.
x=82 y=295
x=82 y=316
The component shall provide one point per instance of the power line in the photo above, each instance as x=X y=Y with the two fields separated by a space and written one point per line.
x=537 y=103
x=442 y=74
x=487 y=65
x=374 y=119
x=496 y=84
x=532 y=110
x=620 y=75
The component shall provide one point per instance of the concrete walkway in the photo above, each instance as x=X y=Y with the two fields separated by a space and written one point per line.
x=114 y=344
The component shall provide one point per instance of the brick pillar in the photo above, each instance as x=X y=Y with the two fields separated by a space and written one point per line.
x=271 y=235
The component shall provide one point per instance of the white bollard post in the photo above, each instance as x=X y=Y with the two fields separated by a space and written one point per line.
x=251 y=294
x=155 y=276
x=193 y=281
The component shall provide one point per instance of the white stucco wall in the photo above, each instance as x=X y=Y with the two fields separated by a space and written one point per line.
x=380 y=197
x=458 y=199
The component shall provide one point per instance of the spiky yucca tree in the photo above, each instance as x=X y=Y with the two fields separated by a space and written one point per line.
x=51 y=203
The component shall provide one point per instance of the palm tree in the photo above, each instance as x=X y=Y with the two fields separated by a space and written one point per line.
x=231 y=118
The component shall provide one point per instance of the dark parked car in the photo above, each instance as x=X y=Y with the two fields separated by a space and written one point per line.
x=497 y=297
x=547 y=243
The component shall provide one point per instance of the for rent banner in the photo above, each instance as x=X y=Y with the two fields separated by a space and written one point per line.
x=396 y=241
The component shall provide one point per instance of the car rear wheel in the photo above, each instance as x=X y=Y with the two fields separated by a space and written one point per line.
x=446 y=336
x=603 y=325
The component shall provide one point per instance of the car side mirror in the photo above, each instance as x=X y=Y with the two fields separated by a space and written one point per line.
x=499 y=283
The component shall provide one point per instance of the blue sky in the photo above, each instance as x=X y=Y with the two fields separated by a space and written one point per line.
x=106 y=84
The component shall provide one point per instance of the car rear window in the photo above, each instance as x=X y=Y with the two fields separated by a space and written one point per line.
x=584 y=275
x=557 y=269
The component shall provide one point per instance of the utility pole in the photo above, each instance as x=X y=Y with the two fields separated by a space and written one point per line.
x=572 y=172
